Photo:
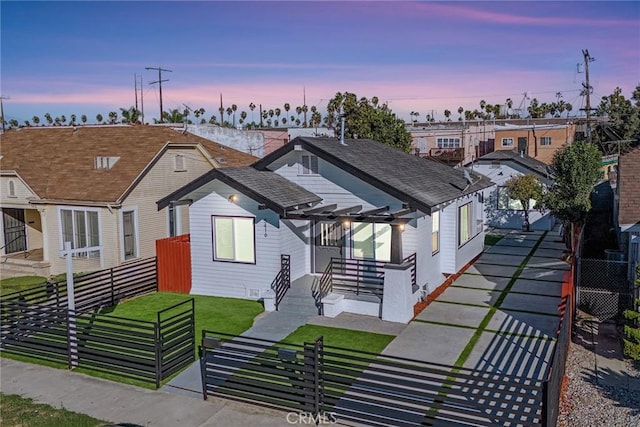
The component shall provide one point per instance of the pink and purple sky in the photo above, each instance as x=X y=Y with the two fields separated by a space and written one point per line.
x=80 y=57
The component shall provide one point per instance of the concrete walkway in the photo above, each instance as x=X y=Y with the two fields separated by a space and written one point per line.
x=499 y=316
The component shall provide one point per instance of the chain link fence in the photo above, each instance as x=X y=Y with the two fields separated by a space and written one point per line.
x=603 y=288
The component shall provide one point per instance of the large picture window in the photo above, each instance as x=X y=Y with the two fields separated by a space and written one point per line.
x=233 y=239
x=435 y=232
x=465 y=231
x=82 y=229
x=371 y=241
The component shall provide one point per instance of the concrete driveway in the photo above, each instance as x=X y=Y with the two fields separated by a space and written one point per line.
x=500 y=316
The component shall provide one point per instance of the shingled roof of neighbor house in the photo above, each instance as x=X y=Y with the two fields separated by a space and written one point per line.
x=58 y=163
x=423 y=182
x=522 y=159
x=629 y=188
x=266 y=187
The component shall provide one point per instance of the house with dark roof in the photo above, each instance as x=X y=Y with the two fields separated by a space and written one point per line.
x=627 y=209
x=96 y=187
x=501 y=211
x=356 y=225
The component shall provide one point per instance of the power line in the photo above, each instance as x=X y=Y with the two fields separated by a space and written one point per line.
x=159 y=81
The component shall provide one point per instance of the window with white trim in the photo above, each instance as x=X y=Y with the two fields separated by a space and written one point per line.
x=233 y=239
x=507 y=142
x=435 y=232
x=129 y=234
x=545 y=140
x=507 y=203
x=175 y=225
x=371 y=241
x=12 y=189
x=81 y=227
x=179 y=165
x=309 y=165
x=448 y=142
x=465 y=224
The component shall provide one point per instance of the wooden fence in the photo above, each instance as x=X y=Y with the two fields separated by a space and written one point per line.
x=174 y=264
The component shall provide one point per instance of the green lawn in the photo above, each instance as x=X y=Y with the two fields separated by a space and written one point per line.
x=21 y=412
x=337 y=337
x=13 y=284
x=227 y=315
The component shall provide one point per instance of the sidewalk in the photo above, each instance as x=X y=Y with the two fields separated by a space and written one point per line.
x=125 y=404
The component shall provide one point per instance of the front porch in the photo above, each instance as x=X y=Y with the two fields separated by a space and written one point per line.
x=27 y=263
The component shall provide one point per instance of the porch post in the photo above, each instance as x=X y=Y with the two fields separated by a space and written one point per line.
x=396 y=244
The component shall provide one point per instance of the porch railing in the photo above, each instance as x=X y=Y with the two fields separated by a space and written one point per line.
x=411 y=259
x=282 y=282
x=357 y=276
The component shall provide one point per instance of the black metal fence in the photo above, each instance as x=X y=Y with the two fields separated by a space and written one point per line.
x=361 y=387
x=36 y=323
x=603 y=289
x=552 y=387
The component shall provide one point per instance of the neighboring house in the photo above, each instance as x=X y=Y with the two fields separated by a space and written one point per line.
x=627 y=208
x=318 y=201
x=536 y=140
x=452 y=142
x=502 y=211
x=95 y=186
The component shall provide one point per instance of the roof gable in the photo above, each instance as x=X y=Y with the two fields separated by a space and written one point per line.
x=523 y=160
x=422 y=183
x=59 y=162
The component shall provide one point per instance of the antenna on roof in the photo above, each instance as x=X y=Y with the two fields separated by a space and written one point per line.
x=469 y=179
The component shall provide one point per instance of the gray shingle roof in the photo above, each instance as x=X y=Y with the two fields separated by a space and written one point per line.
x=266 y=187
x=524 y=160
x=420 y=182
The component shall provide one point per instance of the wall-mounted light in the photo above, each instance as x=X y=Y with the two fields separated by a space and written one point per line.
x=401 y=227
x=233 y=198
x=346 y=223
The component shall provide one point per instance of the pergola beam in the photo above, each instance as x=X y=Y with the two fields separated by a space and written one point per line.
x=320 y=209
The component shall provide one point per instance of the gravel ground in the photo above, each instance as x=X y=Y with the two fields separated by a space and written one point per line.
x=587 y=404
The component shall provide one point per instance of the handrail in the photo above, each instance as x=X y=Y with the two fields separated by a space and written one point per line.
x=282 y=281
x=411 y=259
x=13 y=240
x=323 y=286
x=358 y=276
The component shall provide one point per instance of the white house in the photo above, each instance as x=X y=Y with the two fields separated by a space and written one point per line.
x=358 y=210
x=501 y=210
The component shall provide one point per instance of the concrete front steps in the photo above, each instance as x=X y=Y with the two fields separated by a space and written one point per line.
x=298 y=298
x=17 y=267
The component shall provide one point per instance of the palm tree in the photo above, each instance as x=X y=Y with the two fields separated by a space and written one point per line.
x=48 y=118
x=263 y=117
x=252 y=107
x=57 y=121
x=99 y=118
x=447 y=114
x=113 y=117
x=199 y=112
x=243 y=117
x=213 y=120
x=287 y=107
x=63 y=119
x=460 y=110
x=73 y=120
x=568 y=107
x=277 y=112
x=83 y=118
x=27 y=124
x=229 y=112
x=36 y=120
x=13 y=123
x=234 y=108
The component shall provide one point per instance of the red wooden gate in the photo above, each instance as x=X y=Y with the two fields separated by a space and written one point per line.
x=174 y=264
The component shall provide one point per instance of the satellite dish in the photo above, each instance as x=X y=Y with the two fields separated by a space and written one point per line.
x=467 y=176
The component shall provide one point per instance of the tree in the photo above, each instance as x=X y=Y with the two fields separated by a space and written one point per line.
x=199 y=112
x=99 y=118
x=73 y=120
x=525 y=188
x=576 y=169
x=460 y=111
x=252 y=107
x=129 y=115
x=623 y=118
x=13 y=123
x=48 y=118
x=83 y=118
x=234 y=108
x=365 y=119
x=632 y=328
x=113 y=117
x=36 y=120
x=172 y=116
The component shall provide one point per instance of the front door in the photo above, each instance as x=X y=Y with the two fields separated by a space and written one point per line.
x=522 y=145
x=329 y=243
x=15 y=236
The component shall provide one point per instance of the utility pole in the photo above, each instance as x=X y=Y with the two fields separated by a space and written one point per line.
x=2 y=112
x=159 y=81
x=221 y=111
x=141 y=102
x=587 y=90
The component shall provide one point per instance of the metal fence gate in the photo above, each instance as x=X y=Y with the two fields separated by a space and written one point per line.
x=602 y=287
